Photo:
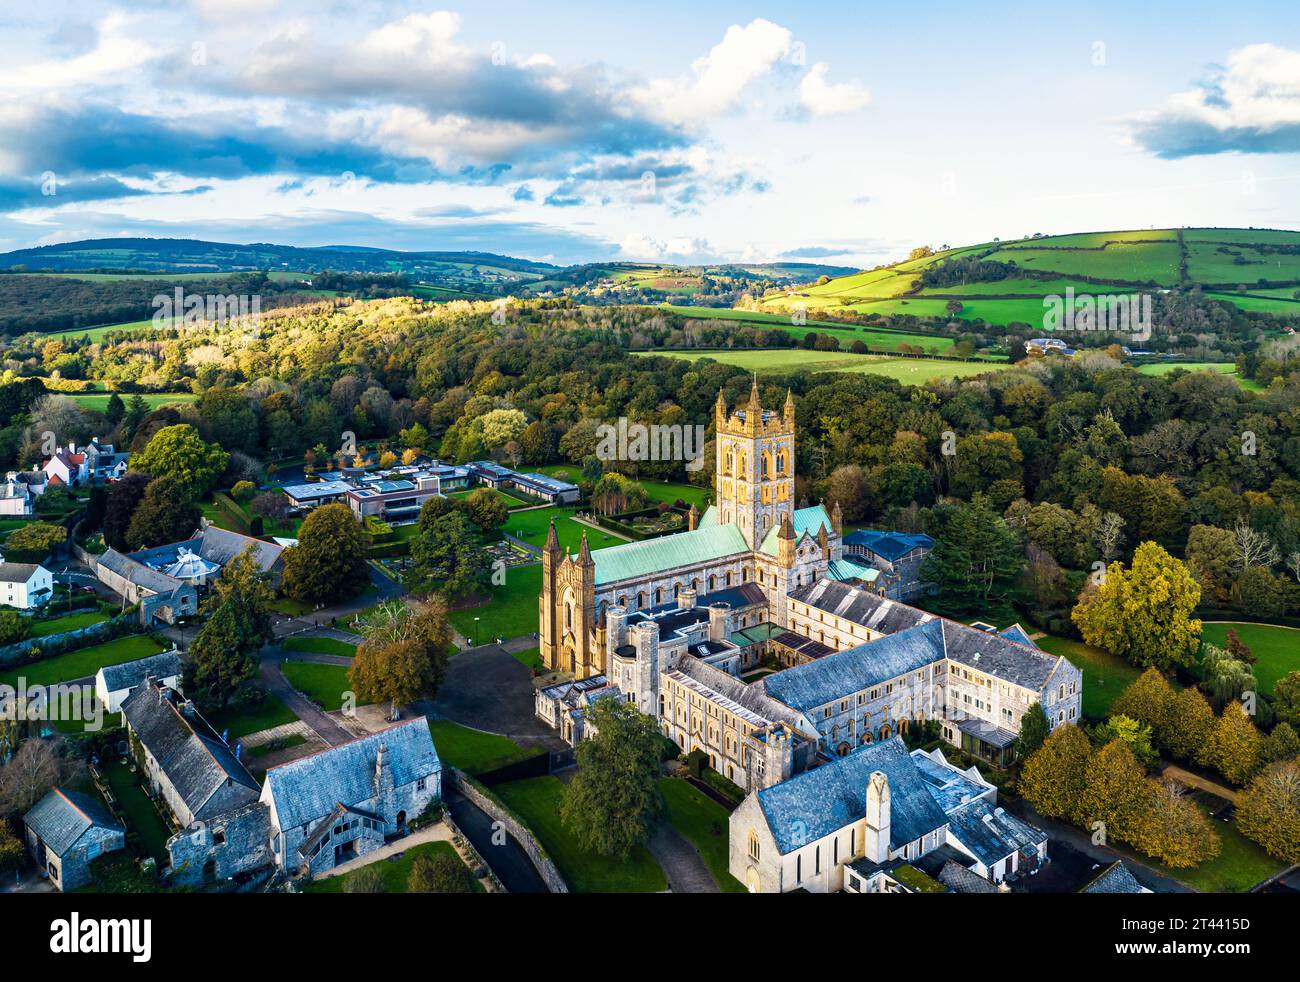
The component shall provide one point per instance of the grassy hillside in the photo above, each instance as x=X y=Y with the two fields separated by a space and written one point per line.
x=1257 y=270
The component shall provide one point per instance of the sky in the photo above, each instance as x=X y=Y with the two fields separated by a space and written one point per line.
x=845 y=133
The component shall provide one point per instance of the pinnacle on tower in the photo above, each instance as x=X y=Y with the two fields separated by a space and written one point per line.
x=720 y=407
x=837 y=519
x=553 y=540
x=584 y=553
x=789 y=406
x=754 y=402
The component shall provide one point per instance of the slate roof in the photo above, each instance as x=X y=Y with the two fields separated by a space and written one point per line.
x=640 y=559
x=816 y=803
x=62 y=817
x=749 y=702
x=306 y=789
x=202 y=769
x=861 y=606
x=138 y=573
x=890 y=546
x=804 y=520
x=805 y=687
x=950 y=787
x=1017 y=634
x=17 y=572
x=991 y=833
x=996 y=655
x=1116 y=878
x=220 y=546
x=129 y=674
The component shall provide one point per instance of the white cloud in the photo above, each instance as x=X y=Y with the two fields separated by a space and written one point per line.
x=639 y=246
x=720 y=77
x=224 y=10
x=823 y=98
x=118 y=50
x=1250 y=105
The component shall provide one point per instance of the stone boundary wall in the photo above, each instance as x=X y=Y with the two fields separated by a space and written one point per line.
x=528 y=842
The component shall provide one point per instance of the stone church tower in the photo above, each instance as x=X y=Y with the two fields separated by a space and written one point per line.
x=754 y=478
x=567 y=609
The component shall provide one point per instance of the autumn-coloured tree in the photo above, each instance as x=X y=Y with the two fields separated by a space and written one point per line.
x=1148 y=699
x=1282 y=744
x=1115 y=791
x=1143 y=613
x=1268 y=811
x=1191 y=721
x=1052 y=777
x=1172 y=829
x=1233 y=746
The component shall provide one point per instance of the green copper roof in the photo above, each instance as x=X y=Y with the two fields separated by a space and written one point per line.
x=708 y=519
x=805 y=520
x=637 y=559
x=847 y=569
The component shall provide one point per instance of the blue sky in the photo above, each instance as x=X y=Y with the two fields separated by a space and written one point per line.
x=844 y=132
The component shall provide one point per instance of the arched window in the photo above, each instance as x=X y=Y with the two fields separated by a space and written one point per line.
x=885 y=733
x=728 y=578
x=677 y=589
x=640 y=598
x=753 y=846
x=659 y=595
x=713 y=582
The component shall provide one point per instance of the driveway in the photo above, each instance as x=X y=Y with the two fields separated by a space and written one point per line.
x=487 y=688
x=680 y=862
x=275 y=683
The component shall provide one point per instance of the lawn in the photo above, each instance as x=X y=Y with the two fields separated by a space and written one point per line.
x=140 y=814
x=536 y=800
x=69 y=622
x=1238 y=867
x=98 y=401
x=705 y=823
x=1276 y=649
x=322 y=684
x=910 y=371
x=1104 y=675
x=271 y=712
x=395 y=869
x=320 y=646
x=473 y=751
x=511 y=612
x=510 y=500
x=532 y=657
x=84 y=662
x=532 y=526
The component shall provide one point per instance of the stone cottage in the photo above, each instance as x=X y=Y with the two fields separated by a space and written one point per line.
x=66 y=831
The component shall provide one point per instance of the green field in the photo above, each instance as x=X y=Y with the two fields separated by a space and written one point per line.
x=324 y=685
x=1221 y=367
x=705 y=823
x=909 y=371
x=1122 y=262
x=1104 y=675
x=532 y=526
x=396 y=870
x=84 y=662
x=474 y=751
x=1276 y=649
x=1238 y=867
x=69 y=622
x=141 y=816
x=511 y=612
x=271 y=712
x=98 y=401
x=537 y=801
x=320 y=646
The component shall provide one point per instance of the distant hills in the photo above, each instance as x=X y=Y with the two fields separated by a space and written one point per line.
x=1005 y=282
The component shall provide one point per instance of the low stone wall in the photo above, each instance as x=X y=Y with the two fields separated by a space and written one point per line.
x=65 y=641
x=521 y=834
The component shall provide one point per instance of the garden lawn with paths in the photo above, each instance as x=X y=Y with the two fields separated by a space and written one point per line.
x=396 y=870
x=134 y=804
x=235 y=723
x=511 y=610
x=536 y=800
x=706 y=824
x=69 y=622
x=84 y=662
x=533 y=525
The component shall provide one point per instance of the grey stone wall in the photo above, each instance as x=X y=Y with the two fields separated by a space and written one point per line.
x=521 y=833
x=235 y=843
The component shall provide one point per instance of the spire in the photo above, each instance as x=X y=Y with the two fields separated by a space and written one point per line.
x=786 y=531
x=837 y=519
x=754 y=402
x=553 y=540
x=789 y=406
x=584 y=553
x=721 y=405
x=692 y=518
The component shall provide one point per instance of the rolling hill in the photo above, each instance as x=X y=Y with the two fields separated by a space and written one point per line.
x=1005 y=282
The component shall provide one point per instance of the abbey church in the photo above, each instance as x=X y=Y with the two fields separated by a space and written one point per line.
x=753 y=536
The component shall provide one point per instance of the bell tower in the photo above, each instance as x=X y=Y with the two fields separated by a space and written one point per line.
x=754 y=477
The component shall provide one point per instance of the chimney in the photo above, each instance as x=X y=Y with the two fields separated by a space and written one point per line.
x=718 y=616
x=383 y=771
x=876 y=841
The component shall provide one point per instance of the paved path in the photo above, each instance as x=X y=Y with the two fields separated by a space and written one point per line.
x=488 y=689
x=298 y=704
x=1186 y=777
x=680 y=862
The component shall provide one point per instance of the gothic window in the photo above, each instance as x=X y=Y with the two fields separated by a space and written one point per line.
x=659 y=595
x=713 y=582
x=753 y=846
x=884 y=732
x=677 y=589
x=728 y=578
x=640 y=599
